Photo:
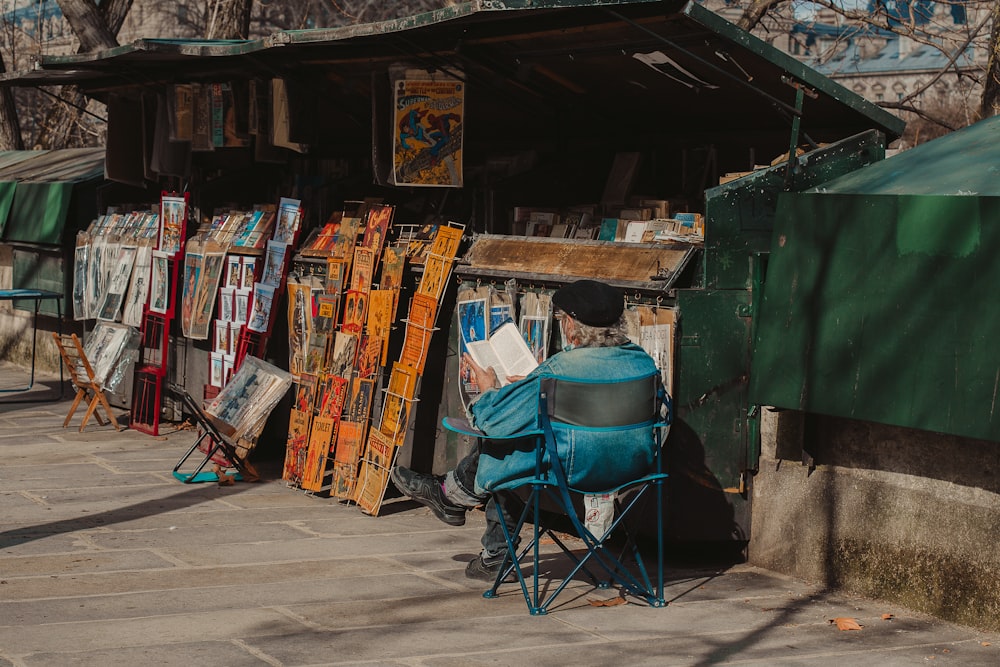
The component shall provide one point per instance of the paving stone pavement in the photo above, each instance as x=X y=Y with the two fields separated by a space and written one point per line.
x=107 y=560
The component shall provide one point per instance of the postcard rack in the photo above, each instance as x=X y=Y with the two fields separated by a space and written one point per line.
x=157 y=315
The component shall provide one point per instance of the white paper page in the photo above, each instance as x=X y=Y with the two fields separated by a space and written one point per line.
x=514 y=353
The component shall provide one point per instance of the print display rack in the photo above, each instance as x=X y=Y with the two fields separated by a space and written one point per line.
x=158 y=313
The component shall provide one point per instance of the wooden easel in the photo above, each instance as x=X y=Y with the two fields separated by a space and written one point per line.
x=81 y=374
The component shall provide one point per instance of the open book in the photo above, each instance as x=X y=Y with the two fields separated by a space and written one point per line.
x=505 y=352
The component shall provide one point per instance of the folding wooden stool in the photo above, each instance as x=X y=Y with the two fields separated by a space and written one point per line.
x=81 y=374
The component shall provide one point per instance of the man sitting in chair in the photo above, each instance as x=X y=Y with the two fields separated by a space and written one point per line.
x=590 y=319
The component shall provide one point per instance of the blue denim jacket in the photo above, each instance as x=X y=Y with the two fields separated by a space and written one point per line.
x=592 y=461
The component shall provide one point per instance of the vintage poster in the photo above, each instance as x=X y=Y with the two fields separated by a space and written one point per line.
x=343 y=245
x=335 y=270
x=316 y=352
x=369 y=356
x=373 y=473
x=376 y=227
x=446 y=242
x=427 y=137
x=398 y=396
x=419 y=327
x=355 y=311
x=320 y=436
x=392 y=269
x=299 y=324
x=345 y=475
x=350 y=438
x=331 y=392
x=345 y=350
x=361 y=274
x=297 y=444
x=432 y=282
x=380 y=317
x=327 y=306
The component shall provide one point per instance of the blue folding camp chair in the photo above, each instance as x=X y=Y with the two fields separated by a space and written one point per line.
x=593 y=406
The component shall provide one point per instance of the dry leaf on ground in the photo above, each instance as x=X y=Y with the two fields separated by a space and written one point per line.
x=888 y=617
x=845 y=623
x=612 y=602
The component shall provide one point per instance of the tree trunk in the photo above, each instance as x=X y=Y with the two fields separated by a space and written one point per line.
x=88 y=25
x=96 y=28
x=229 y=19
x=10 y=128
x=990 y=103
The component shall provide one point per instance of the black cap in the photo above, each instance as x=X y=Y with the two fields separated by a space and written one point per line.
x=590 y=302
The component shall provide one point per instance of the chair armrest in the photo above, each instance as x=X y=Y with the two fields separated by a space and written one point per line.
x=462 y=426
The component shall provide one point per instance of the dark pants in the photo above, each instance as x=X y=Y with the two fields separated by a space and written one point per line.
x=503 y=502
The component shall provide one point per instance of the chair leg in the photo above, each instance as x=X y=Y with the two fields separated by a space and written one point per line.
x=80 y=393
x=91 y=409
x=107 y=410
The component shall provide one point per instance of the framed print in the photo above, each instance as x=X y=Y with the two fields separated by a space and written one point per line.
x=159 y=282
x=234 y=272
x=118 y=284
x=173 y=211
x=227 y=297
x=205 y=294
x=274 y=263
x=249 y=265
x=221 y=336
x=241 y=305
x=189 y=289
x=289 y=217
x=234 y=338
x=80 y=260
x=259 y=318
x=138 y=291
x=215 y=369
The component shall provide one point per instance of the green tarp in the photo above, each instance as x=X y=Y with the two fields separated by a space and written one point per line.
x=880 y=294
x=35 y=191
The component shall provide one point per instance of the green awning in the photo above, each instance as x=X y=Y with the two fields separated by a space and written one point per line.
x=35 y=191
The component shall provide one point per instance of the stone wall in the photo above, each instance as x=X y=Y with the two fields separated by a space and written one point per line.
x=899 y=514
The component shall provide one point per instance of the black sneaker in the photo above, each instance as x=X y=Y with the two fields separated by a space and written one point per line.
x=426 y=489
x=485 y=568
